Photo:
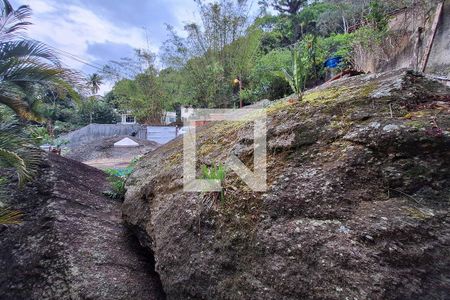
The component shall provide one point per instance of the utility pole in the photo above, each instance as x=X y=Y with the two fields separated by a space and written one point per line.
x=241 y=102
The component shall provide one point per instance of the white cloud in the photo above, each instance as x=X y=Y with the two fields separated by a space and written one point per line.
x=105 y=88
x=72 y=28
x=40 y=7
x=184 y=12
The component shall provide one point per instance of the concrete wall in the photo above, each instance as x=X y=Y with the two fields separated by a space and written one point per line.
x=439 y=61
x=159 y=134
x=406 y=45
x=96 y=131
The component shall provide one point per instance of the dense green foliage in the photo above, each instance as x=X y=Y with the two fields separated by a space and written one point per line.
x=230 y=57
x=17 y=151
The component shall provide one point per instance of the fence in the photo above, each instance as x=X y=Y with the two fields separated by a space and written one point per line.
x=161 y=134
x=95 y=131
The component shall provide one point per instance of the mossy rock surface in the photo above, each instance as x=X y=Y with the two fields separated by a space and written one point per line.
x=357 y=205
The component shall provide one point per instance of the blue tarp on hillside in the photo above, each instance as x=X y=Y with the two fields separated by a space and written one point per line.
x=333 y=62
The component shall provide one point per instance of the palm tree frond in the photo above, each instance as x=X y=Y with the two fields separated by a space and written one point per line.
x=7 y=8
x=20 y=107
x=16 y=151
x=23 y=12
x=12 y=22
x=11 y=159
x=95 y=81
x=24 y=49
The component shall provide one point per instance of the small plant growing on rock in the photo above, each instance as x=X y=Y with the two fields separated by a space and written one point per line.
x=117 y=179
x=215 y=173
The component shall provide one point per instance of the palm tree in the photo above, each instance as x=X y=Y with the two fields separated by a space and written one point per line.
x=24 y=65
x=95 y=81
x=16 y=151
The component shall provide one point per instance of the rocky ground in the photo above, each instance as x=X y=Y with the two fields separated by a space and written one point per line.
x=357 y=206
x=71 y=243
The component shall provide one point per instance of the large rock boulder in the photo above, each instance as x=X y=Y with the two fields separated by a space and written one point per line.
x=71 y=243
x=357 y=205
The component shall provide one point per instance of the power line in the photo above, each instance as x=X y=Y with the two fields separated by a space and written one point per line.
x=82 y=60
x=77 y=58
x=92 y=65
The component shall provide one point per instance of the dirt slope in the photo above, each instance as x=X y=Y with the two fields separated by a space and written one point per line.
x=72 y=243
x=357 y=205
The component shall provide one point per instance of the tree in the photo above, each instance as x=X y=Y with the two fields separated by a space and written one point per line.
x=129 y=67
x=296 y=75
x=57 y=102
x=291 y=7
x=265 y=80
x=94 y=82
x=24 y=65
x=142 y=96
x=244 y=52
x=137 y=86
x=95 y=111
x=208 y=55
x=288 y=10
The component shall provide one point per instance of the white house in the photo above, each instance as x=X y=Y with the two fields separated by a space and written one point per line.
x=169 y=117
x=128 y=118
x=186 y=112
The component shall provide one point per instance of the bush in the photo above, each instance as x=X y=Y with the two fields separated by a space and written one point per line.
x=265 y=83
x=338 y=45
x=100 y=111
x=248 y=96
x=40 y=135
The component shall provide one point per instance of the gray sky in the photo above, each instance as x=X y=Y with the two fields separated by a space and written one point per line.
x=101 y=30
x=98 y=31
